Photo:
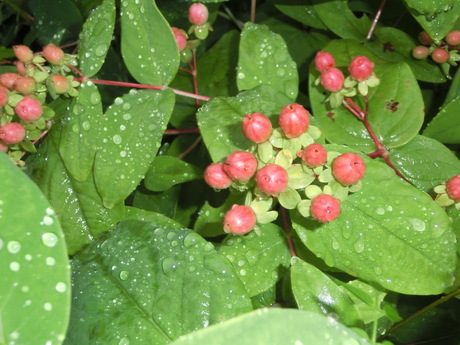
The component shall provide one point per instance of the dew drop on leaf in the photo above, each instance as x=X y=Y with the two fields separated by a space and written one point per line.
x=124 y=275
x=49 y=239
x=13 y=247
x=15 y=266
x=61 y=287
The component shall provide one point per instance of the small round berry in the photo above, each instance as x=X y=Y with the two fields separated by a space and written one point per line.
x=3 y=146
x=294 y=120
x=21 y=68
x=240 y=165
x=420 y=52
x=453 y=38
x=216 y=177
x=424 y=38
x=23 y=53
x=324 y=61
x=257 y=127
x=7 y=79
x=60 y=83
x=12 y=133
x=201 y=31
x=332 y=79
x=239 y=220
x=325 y=208
x=440 y=55
x=453 y=188
x=198 y=13
x=53 y=54
x=360 y=68
x=314 y=155
x=25 y=85
x=272 y=179
x=180 y=37
x=348 y=168
x=29 y=109
x=3 y=96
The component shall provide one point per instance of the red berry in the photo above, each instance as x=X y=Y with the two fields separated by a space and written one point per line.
x=453 y=188
x=29 y=109
x=348 y=168
x=332 y=79
x=25 y=85
x=272 y=179
x=440 y=55
x=453 y=38
x=3 y=146
x=240 y=165
x=61 y=84
x=420 y=52
x=325 y=208
x=53 y=54
x=198 y=14
x=294 y=120
x=12 y=133
x=257 y=127
x=361 y=68
x=7 y=79
x=424 y=38
x=239 y=220
x=216 y=177
x=324 y=61
x=314 y=155
x=3 y=96
x=181 y=39
x=23 y=53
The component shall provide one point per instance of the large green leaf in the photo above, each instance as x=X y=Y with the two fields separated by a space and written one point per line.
x=264 y=59
x=131 y=134
x=389 y=233
x=34 y=273
x=445 y=127
x=148 y=45
x=300 y=10
x=149 y=284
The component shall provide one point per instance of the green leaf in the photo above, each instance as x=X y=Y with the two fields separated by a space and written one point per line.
x=315 y=291
x=275 y=326
x=301 y=10
x=425 y=162
x=151 y=217
x=264 y=59
x=132 y=129
x=34 y=274
x=259 y=261
x=445 y=127
x=96 y=38
x=220 y=119
x=389 y=233
x=148 y=45
x=151 y=284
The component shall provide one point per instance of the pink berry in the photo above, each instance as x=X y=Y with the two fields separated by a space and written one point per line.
x=361 y=68
x=25 y=85
x=453 y=38
x=453 y=188
x=239 y=220
x=12 y=133
x=348 y=168
x=198 y=13
x=424 y=38
x=181 y=39
x=7 y=79
x=325 y=208
x=440 y=55
x=240 y=165
x=324 y=61
x=23 y=53
x=257 y=127
x=53 y=54
x=294 y=120
x=420 y=52
x=29 y=109
x=61 y=84
x=3 y=96
x=272 y=179
x=332 y=79
x=314 y=155
x=216 y=177
x=3 y=146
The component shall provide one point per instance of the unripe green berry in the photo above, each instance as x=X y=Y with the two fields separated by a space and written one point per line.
x=201 y=31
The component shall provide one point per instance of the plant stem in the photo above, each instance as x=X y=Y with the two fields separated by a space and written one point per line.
x=181 y=131
x=287 y=228
x=253 y=11
x=190 y=148
x=194 y=77
x=376 y=19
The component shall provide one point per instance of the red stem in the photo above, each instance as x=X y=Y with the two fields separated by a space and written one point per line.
x=181 y=131
x=376 y=19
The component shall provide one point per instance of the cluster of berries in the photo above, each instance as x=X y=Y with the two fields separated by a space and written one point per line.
x=23 y=117
x=361 y=77
x=198 y=16
x=287 y=165
x=449 y=192
x=445 y=51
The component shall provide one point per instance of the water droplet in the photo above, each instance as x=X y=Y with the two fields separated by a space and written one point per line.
x=169 y=265
x=117 y=139
x=241 y=263
x=124 y=275
x=47 y=306
x=377 y=270
x=380 y=211
x=241 y=75
x=208 y=247
x=86 y=125
x=335 y=244
x=417 y=224
x=127 y=116
x=50 y=261
x=159 y=231
x=49 y=239
x=14 y=336
x=174 y=243
x=15 y=266
x=252 y=257
x=171 y=235
x=119 y=101
x=61 y=287
x=191 y=239
x=123 y=153
x=243 y=272
x=13 y=247
x=100 y=50
x=359 y=246
x=47 y=220
x=124 y=341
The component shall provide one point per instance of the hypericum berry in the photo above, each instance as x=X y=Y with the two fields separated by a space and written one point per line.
x=7 y=79
x=53 y=54
x=12 y=133
x=453 y=38
x=420 y=52
x=440 y=55
x=325 y=208
x=240 y=165
x=424 y=38
x=181 y=39
x=29 y=109
x=348 y=168
x=332 y=79
x=453 y=188
x=239 y=220
x=360 y=68
x=3 y=96
x=257 y=127
x=216 y=177
x=198 y=14
x=272 y=179
x=294 y=120
x=23 y=53
x=314 y=155
x=25 y=85
x=60 y=83
x=324 y=61
x=3 y=146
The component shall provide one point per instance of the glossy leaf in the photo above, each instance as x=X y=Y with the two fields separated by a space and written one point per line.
x=34 y=276
x=300 y=10
x=445 y=127
x=148 y=283
x=264 y=59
